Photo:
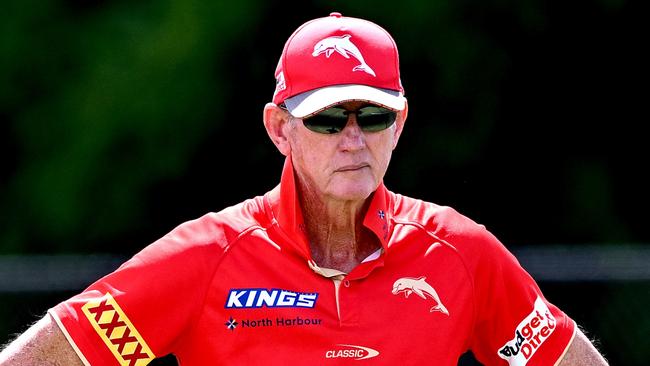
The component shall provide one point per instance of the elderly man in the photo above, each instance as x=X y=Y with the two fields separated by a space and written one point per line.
x=329 y=267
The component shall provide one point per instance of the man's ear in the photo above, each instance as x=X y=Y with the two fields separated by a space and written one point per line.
x=275 y=120
x=399 y=124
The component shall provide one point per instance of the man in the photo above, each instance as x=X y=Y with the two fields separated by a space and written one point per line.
x=327 y=268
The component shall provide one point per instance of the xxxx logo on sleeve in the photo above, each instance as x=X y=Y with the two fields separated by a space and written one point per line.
x=117 y=332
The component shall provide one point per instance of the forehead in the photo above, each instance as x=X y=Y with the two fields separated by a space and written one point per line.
x=352 y=104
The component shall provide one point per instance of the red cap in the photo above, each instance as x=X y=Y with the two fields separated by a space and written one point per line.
x=334 y=59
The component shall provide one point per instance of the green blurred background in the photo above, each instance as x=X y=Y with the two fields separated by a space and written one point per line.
x=121 y=119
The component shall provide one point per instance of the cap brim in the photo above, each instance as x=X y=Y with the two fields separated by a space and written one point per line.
x=313 y=101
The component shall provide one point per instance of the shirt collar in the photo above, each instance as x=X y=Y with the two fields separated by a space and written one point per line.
x=286 y=210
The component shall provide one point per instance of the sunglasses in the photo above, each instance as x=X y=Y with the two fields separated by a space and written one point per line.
x=370 y=118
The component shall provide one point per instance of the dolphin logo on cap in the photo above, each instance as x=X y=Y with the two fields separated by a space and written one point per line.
x=345 y=47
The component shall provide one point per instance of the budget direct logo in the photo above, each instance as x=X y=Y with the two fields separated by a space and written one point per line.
x=530 y=334
x=247 y=298
x=349 y=351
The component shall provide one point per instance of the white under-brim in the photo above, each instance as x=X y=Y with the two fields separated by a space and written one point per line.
x=316 y=100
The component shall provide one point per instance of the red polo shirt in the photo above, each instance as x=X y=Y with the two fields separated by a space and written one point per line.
x=239 y=287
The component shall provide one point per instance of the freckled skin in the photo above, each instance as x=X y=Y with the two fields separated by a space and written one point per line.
x=336 y=175
x=347 y=166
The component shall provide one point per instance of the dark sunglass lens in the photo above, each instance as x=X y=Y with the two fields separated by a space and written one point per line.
x=373 y=118
x=370 y=118
x=329 y=121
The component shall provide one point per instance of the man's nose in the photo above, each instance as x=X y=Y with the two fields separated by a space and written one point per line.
x=352 y=138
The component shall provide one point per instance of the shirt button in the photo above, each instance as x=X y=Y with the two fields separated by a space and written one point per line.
x=346 y=283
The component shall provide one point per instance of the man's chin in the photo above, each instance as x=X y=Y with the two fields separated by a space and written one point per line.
x=353 y=192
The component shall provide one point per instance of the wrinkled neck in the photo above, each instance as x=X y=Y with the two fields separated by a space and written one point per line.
x=337 y=237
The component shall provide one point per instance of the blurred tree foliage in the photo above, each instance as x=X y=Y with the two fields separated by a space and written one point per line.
x=122 y=119
x=102 y=101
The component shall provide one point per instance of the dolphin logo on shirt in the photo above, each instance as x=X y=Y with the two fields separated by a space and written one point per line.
x=418 y=286
x=343 y=46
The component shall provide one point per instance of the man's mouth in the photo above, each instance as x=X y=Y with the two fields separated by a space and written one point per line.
x=354 y=167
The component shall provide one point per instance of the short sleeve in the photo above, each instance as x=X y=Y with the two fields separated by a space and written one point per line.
x=142 y=309
x=515 y=324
